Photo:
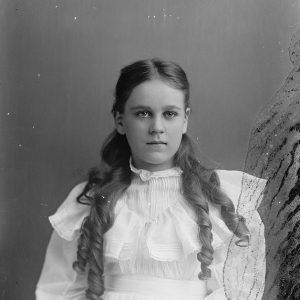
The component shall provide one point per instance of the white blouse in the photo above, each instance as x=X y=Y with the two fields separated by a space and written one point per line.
x=150 y=251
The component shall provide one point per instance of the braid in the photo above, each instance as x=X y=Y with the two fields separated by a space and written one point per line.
x=83 y=250
x=191 y=187
x=201 y=185
x=96 y=266
x=104 y=188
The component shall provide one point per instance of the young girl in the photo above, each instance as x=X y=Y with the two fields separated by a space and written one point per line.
x=151 y=223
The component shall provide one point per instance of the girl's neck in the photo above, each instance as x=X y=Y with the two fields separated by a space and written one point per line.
x=151 y=167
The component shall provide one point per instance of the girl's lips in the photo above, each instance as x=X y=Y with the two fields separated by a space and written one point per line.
x=157 y=146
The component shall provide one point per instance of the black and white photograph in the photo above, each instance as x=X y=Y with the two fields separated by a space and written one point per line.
x=150 y=150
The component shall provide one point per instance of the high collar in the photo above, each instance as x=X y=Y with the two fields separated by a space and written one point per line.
x=146 y=175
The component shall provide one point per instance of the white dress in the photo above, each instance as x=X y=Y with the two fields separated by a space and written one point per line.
x=150 y=251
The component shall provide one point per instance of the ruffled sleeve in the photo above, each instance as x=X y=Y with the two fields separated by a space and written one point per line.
x=239 y=272
x=58 y=280
x=69 y=216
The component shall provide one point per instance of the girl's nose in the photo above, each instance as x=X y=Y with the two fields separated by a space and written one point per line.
x=156 y=126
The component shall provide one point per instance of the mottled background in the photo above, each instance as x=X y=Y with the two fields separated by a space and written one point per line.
x=59 y=61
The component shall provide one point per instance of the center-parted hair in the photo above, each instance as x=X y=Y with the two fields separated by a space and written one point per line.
x=200 y=185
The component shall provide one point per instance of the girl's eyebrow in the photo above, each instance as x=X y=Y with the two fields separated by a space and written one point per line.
x=169 y=107
x=140 y=107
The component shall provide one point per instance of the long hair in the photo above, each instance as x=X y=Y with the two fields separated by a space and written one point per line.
x=106 y=183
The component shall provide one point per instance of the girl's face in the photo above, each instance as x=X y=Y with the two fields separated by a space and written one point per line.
x=153 y=121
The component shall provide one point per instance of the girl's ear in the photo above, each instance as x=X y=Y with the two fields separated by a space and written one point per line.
x=186 y=119
x=119 y=123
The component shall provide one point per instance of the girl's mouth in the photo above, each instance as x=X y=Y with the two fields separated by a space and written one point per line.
x=157 y=143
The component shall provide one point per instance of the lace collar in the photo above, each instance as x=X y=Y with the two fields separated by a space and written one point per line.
x=145 y=175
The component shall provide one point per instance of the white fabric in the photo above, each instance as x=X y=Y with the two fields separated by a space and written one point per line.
x=157 y=241
x=149 y=286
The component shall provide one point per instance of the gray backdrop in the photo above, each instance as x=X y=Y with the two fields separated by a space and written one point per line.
x=59 y=61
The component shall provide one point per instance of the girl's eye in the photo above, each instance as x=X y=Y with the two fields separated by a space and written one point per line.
x=143 y=114
x=170 y=114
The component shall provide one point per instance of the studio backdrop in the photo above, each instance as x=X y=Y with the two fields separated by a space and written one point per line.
x=59 y=62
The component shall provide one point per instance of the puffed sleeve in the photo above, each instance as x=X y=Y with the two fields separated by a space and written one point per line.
x=58 y=280
x=238 y=272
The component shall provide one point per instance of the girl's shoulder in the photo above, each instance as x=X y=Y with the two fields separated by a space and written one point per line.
x=246 y=192
x=238 y=184
x=68 y=218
